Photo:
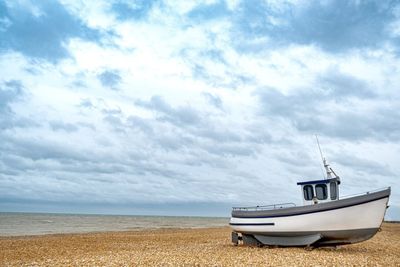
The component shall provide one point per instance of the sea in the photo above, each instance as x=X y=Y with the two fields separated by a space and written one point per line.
x=20 y=224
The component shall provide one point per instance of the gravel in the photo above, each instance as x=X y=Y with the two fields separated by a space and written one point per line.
x=188 y=247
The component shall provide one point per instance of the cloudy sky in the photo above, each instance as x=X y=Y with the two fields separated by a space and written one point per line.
x=190 y=107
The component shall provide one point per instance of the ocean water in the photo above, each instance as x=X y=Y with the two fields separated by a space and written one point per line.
x=17 y=224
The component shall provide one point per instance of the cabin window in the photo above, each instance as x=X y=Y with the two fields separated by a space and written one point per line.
x=333 y=190
x=308 y=192
x=321 y=191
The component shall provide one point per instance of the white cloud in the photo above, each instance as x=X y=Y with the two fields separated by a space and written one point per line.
x=195 y=117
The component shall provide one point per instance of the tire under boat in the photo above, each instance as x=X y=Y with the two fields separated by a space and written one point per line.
x=339 y=222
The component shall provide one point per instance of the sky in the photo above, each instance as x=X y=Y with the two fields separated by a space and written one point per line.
x=192 y=107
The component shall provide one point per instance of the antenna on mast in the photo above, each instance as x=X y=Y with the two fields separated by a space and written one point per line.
x=326 y=165
x=319 y=147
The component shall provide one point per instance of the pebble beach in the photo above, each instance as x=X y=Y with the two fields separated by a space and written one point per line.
x=188 y=247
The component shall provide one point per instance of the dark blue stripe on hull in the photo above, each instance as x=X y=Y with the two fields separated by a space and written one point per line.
x=252 y=224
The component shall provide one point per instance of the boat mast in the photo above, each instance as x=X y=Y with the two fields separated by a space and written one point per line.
x=326 y=165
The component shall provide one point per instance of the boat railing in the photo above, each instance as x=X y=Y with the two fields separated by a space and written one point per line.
x=266 y=207
x=365 y=193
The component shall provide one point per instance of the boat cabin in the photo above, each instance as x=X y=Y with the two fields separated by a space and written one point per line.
x=320 y=191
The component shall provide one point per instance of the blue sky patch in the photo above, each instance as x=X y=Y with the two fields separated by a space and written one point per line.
x=137 y=9
x=41 y=35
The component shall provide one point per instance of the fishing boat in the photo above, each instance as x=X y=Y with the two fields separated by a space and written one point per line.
x=324 y=219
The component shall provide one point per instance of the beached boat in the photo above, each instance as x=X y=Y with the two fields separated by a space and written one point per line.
x=324 y=219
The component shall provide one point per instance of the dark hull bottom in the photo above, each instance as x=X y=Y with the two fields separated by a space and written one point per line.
x=315 y=239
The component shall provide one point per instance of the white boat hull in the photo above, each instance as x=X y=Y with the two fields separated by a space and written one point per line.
x=364 y=216
x=341 y=224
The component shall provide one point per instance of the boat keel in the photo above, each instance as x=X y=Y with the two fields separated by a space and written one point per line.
x=288 y=241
